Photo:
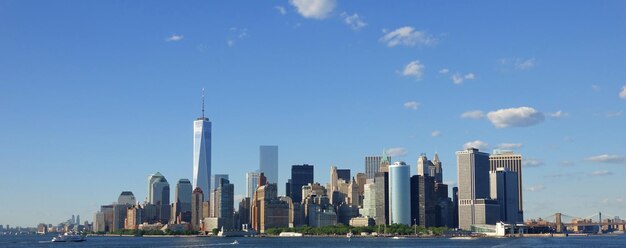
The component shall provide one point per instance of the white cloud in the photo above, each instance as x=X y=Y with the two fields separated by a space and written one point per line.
x=407 y=36
x=536 y=188
x=230 y=43
x=601 y=173
x=567 y=163
x=315 y=9
x=478 y=144
x=518 y=63
x=458 y=78
x=174 y=37
x=622 y=94
x=412 y=105
x=444 y=71
x=595 y=87
x=509 y=146
x=281 y=10
x=435 y=133
x=353 y=21
x=473 y=114
x=236 y=34
x=607 y=158
x=397 y=152
x=559 y=114
x=613 y=114
x=413 y=69
x=531 y=162
x=521 y=64
x=515 y=117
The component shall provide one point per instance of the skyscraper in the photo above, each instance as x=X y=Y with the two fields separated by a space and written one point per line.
x=399 y=189
x=433 y=168
x=196 y=208
x=215 y=180
x=202 y=153
x=473 y=180
x=300 y=175
x=504 y=189
x=512 y=162
x=268 y=162
x=344 y=174
x=224 y=202
x=372 y=165
x=126 y=197
x=252 y=182
x=182 y=200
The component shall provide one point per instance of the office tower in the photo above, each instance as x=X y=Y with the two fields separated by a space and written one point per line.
x=202 y=153
x=152 y=179
x=344 y=174
x=224 y=202
x=252 y=182
x=78 y=219
x=268 y=211
x=333 y=179
x=126 y=197
x=244 y=212
x=455 y=207
x=369 y=199
x=512 y=162
x=73 y=220
x=215 y=180
x=433 y=168
x=372 y=165
x=300 y=175
x=423 y=201
x=197 y=198
x=262 y=180
x=504 y=189
x=361 y=180
x=381 y=181
x=268 y=162
x=473 y=181
x=182 y=201
x=384 y=163
x=399 y=189
x=160 y=196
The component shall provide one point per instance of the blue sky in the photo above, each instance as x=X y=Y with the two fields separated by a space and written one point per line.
x=97 y=95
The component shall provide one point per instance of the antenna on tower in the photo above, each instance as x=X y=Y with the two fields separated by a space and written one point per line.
x=202 y=103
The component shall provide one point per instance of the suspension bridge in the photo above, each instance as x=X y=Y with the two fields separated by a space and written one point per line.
x=560 y=222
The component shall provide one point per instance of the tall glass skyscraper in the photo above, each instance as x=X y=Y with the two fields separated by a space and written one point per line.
x=268 y=162
x=202 y=153
x=399 y=190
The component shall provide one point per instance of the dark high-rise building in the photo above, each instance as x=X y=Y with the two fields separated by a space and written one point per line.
x=381 y=182
x=300 y=175
x=455 y=207
x=372 y=165
x=512 y=162
x=423 y=201
x=344 y=174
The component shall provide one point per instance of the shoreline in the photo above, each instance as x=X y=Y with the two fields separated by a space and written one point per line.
x=545 y=235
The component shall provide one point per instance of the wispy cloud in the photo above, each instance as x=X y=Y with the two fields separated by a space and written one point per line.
x=622 y=94
x=567 y=163
x=413 y=69
x=397 y=152
x=515 y=117
x=473 y=114
x=596 y=87
x=607 y=158
x=314 y=9
x=601 y=173
x=407 y=36
x=458 y=78
x=509 y=146
x=517 y=63
x=613 y=114
x=235 y=35
x=559 y=114
x=478 y=144
x=412 y=105
x=281 y=10
x=174 y=37
x=444 y=71
x=536 y=188
x=435 y=133
x=531 y=162
x=354 y=21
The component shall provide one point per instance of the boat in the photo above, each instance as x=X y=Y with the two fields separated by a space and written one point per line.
x=349 y=235
x=234 y=243
x=290 y=234
x=397 y=237
x=69 y=237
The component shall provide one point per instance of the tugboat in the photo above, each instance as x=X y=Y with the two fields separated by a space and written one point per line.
x=69 y=237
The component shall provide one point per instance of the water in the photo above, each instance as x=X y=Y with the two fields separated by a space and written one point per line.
x=43 y=241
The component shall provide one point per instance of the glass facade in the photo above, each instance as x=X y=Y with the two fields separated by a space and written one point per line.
x=202 y=155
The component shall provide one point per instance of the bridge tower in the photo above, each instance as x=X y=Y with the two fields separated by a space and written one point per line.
x=559 y=224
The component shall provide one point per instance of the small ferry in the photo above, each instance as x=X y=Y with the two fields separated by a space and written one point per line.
x=69 y=237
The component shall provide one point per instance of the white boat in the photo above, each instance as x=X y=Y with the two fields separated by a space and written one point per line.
x=234 y=243
x=349 y=235
x=290 y=234
x=69 y=237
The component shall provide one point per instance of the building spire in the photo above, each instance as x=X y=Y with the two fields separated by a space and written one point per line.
x=203 y=103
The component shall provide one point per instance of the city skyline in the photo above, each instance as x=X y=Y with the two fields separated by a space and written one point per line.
x=99 y=106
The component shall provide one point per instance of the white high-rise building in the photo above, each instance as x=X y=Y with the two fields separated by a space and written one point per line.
x=268 y=163
x=399 y=192
x=202 y=153
x=252 y=181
